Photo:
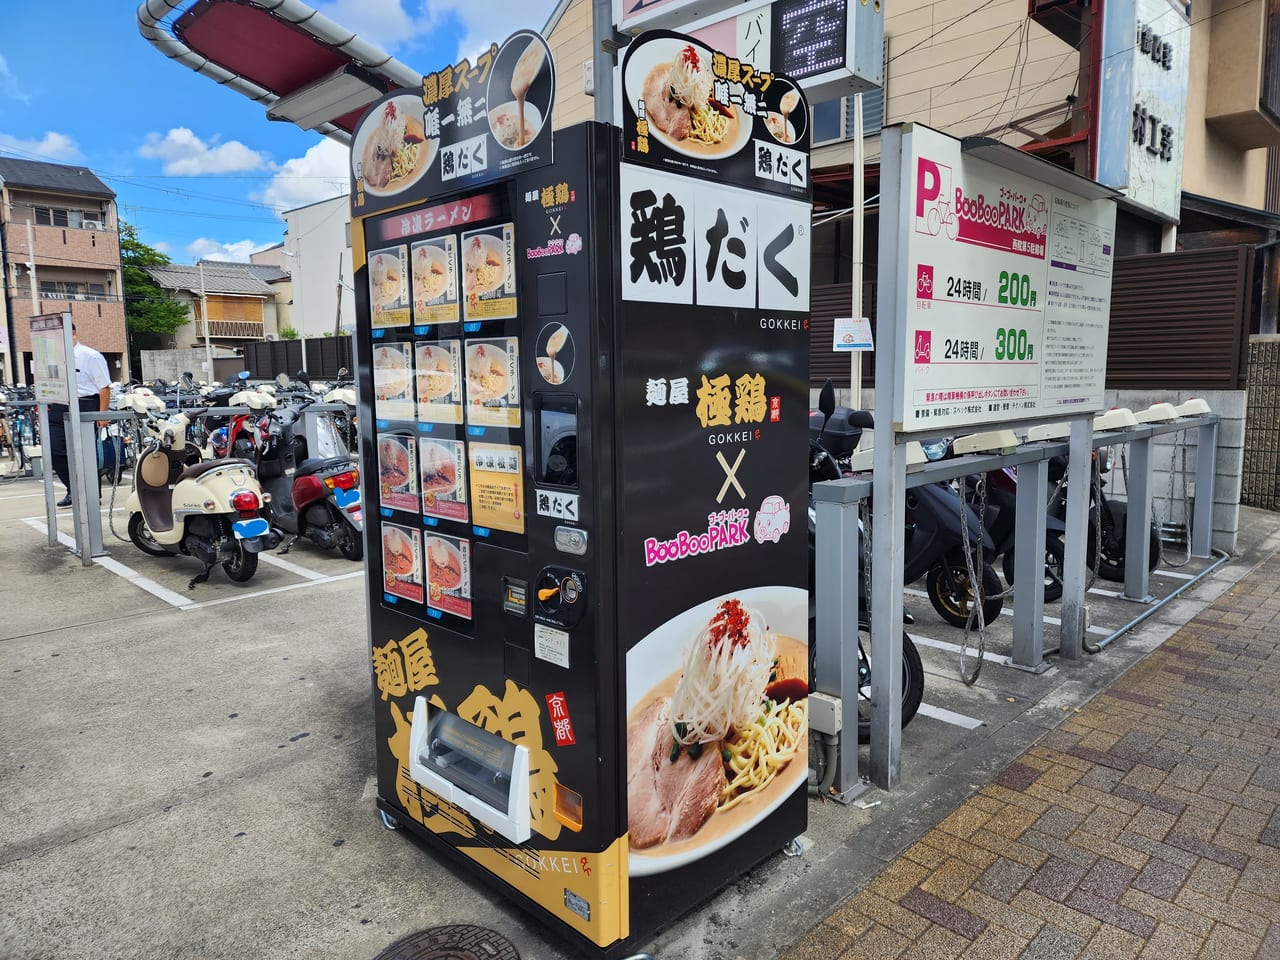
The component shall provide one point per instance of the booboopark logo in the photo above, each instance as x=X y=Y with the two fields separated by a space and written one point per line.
x=1009 y=220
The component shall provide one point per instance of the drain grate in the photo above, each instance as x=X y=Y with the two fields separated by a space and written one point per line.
x=459 y=941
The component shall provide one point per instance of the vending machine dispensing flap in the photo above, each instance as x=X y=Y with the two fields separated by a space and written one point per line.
x=471 y=768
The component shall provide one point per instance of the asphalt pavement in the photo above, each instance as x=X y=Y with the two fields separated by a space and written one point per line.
x=189 y=774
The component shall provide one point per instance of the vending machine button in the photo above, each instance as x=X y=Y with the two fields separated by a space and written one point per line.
x=571 y=540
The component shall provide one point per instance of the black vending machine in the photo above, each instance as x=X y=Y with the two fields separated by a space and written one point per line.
x=583 y=372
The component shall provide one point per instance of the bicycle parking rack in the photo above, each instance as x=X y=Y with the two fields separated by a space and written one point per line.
x=837 y=564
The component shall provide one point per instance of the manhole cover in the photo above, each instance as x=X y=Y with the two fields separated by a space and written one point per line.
x=460 y=941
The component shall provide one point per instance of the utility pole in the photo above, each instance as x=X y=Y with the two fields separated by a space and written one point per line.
x=858 y=183
x=204 y=315
x=337 y=321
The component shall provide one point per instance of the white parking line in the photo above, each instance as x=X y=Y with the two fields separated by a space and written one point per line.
x=949 y=716
x=1175 y=574
x=175 y=599
x=293 y=568
x=987 y=655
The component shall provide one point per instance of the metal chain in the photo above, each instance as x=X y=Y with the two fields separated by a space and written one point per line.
x=1179 y=444
x=864 y=518
x=975 y=584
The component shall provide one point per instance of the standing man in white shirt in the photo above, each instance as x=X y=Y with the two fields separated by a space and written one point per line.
x=93 y=387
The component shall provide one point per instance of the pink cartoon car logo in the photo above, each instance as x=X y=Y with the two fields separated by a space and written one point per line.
x=773 y=519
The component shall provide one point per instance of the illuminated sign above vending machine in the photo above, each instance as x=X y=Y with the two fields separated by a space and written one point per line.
x=636 y=15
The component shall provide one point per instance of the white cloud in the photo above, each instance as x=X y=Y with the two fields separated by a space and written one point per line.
x=206 y=249
x=9 y=86
x=52 y=146
x=185 y=154
x=387 y=24
x=322 y=172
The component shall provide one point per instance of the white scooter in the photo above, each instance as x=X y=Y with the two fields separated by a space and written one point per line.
x=207 y=509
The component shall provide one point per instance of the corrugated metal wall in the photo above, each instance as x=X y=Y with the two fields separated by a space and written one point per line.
x=1181 y=320
x=825 y=304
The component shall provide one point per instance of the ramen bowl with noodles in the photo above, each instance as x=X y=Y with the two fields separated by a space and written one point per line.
x=504 y=121
x=430 y=273
x=444 y=564
x=393 y=464
x=484 y=264
x=385 y=277
x=435 y=373
x=392 y=150
x=398 y=555
x=439 y=471
x=486 y=372
x=719 y=743
x=390 y=373
x=674 y=81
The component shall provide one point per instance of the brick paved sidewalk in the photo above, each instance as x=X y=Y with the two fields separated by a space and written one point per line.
x=1147 y=825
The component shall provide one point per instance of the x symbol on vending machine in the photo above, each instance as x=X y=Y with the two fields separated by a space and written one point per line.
x=555 y=223
x=729 y=475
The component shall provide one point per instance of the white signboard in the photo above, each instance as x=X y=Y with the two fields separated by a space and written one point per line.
x=635 y=15
x=49 y=359
x=1002 y=289
x=1143 y=102
x=849 y=334
x=687 y=241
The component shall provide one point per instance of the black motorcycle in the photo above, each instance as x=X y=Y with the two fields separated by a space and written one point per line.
x=1105 y=554
x=823 y=466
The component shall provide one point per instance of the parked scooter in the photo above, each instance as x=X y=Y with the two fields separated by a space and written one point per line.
x=823 y=466
x=1109 y=560
x=314 y=498
x=207 y=509
x=934 y=543
x=1000 y=520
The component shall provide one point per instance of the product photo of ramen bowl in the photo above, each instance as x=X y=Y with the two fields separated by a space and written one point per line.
x=430 y=273
x=439 y=471
x=673 y=79
x=386 y=280
x=552 y=370
x=391 y=151
x=484 y=263
x=486 y=373
x=398 y=555
x=504 y=121
x=390 y=372
x=393 y=464
x=444 y=564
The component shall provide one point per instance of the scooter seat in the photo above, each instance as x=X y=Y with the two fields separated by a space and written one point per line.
x=206 y=466
x=316 y=464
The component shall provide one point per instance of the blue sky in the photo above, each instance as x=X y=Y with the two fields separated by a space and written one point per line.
x=197 y=168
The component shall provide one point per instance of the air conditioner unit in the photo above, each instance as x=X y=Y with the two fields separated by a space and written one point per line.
x=92 y=224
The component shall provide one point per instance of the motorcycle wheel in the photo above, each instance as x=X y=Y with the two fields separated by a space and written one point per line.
x=1111 y=561
x=1054 y=552
x=954 y=606
x=242 y=566
x=912 y=681
x=143 y=540
x=350 y=542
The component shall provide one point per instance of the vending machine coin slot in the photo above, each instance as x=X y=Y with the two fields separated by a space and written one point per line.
x=559 y=596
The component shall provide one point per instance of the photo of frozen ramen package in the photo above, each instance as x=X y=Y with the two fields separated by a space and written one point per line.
x=393 y=383
x=488 y=273
x=493 y=382
x=448 y=564
x=443 y=470
x=398 y=472
x=402 y=562
x=435 y=280
x=440 y=389
x=389 y=286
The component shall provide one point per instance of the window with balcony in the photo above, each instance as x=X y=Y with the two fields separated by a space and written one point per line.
x=75 y=218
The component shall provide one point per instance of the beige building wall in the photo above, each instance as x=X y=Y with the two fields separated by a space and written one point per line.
x=1212 y=165
x=570 y=43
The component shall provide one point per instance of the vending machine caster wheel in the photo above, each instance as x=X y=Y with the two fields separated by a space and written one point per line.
x=388 y=821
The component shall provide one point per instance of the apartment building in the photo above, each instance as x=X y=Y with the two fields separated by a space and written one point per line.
x=229 y=303
x=59 y=252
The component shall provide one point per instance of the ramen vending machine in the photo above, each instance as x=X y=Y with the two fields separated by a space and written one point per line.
x=583 y=369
